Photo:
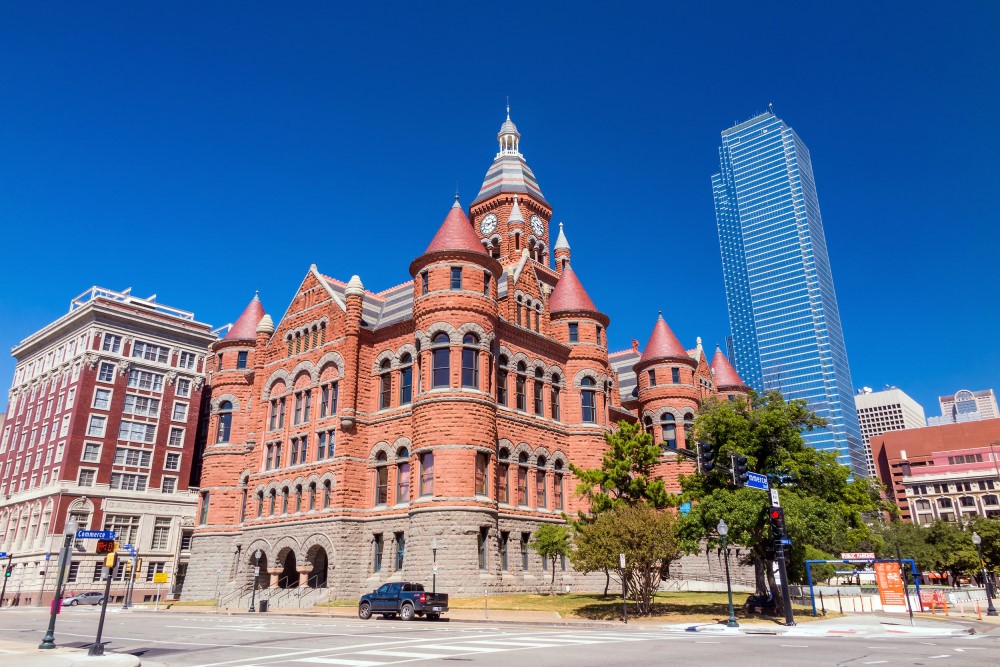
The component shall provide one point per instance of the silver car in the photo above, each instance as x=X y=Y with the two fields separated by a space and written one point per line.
x=85 y=598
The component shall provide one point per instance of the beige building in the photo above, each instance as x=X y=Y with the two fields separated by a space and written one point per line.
x=887 y=410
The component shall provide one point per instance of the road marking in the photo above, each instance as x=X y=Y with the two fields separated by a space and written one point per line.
x=338 y=661
x=943 y=655
x=507 y=642
x=461 y=647
x=795 y=645
x=407 y=654
x=876 y=662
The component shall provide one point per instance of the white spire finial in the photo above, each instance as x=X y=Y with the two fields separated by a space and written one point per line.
x=508 y=107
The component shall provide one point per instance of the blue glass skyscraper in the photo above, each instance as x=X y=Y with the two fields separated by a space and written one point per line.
x=786 y=332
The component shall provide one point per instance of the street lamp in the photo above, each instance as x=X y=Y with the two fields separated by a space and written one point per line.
x=256 y=573
x=69 y=532
x=990 y=609
x=723 y=531
x=434 y=564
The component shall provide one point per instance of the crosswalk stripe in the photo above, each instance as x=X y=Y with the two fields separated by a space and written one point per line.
x=461 y=648
x=519 y=643
x=340 y=661
x=405 y=654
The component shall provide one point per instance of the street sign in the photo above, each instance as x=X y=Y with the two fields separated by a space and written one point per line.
x=785 y=542
x=256 y=572
x=160 y=577
x=434 y=568
x=756 y=480
x=3 y=554
x=95 y=534
x=774 y=498
x=48 y=555
x=621 y=560
x=685 y=508
x=863 y=555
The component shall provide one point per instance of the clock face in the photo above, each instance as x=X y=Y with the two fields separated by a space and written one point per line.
x=488 y=223
x=537 y=225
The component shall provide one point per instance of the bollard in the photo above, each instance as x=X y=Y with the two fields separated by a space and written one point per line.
x=821 y=603
x=979 y=612
x=840 y=602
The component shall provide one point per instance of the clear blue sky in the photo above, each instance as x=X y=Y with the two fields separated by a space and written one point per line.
x=201 y=151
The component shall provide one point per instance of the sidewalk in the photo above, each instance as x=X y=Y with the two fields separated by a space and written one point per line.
x=23 y=654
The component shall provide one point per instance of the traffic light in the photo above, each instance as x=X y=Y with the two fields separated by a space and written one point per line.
x=6 y=571
x=111 y=560
x=776 y=516
x=128 y=565
x=741 y=474
x=706 y=458
x=138 y=567
x=106 y=547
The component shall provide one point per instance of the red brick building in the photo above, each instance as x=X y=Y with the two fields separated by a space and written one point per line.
x=363 y=428
x=949 y=472
x=101 y=426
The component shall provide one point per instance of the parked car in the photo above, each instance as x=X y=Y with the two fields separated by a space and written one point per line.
x=405 y=599
x=84 y=598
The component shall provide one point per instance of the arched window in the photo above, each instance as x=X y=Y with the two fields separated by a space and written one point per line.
x=284 y=500
x=225 y=421
x=554 y=397
x=403 y=475
x=260 y=504
x=647 y=424
x=406 y=379
x=541 y=497
x=557 y=484
x=312 y=489
x=944 y=503
x=327 y=494
x=518 y=307
x=243 y=502
x=502 y=380
x=520 y=381
x=668 y=429
x=381 y=479
x=538 y=317
x=482 y=472
x=427 y=474
x=470 y=361
x=441 y=361
x=588 y=402
x=522 y=479
x=274 y=502
x=298 y=490
x=385 y=385
x=539 y=393
x=989 y=499
x=503 y=476
x=689 y=430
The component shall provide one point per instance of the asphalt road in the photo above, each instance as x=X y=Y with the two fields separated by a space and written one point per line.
x=189 y=640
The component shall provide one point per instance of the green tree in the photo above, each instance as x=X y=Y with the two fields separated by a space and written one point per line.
x=954 y=551
x=912 y=542
x=989 y=530
x=626 y=472
x=551 y=541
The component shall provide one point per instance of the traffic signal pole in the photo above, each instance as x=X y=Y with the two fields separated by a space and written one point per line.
x=6 y=575
x=97 y=648
x=786 y=596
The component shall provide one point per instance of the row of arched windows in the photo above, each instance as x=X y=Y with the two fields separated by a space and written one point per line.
x=307 y=338
x=668 y=429
x=520 y=388
x=291 y=500
x=529 y=309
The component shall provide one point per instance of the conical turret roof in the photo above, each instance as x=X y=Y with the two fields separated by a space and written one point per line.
x=725 y=374
x=662 y=343
x=569 y=294
x=561 y=242
x=456 y=233
x=246 y=326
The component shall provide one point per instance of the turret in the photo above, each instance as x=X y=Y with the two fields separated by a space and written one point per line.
x=561 y=249
x=667 y=388
x=727 y=380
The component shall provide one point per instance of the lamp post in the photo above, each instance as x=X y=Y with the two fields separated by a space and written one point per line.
x=69 y=532
x=256 y=573
x=723 y=531
x=434 y=564
x=990 y=609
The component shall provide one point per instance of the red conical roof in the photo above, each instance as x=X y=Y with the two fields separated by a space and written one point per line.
x=456 y=233
x=725 y=374
x=569 y=294
x=662 y=343
x=246 y=327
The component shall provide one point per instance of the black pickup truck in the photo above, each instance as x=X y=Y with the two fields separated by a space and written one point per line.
x=405 y=599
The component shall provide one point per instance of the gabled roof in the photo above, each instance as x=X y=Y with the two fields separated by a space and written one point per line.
x=725 y=374
x=663 y=343
x=456 y=233
x=569 y=294
x=246 y=326
x=380 y=309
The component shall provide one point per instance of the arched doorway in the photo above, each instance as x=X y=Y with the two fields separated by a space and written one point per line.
x=289 y=577
x=318 y=559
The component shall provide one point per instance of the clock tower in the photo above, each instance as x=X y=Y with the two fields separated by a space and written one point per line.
x=510 y=214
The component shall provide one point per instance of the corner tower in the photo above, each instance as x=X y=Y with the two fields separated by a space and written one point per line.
x=667 y=387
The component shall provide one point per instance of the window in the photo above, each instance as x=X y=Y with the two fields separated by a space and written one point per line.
x=142 y=406
x=172 y=461
x=652 y=377
x=441 y=352
x=74 y=572
x=128 y=482
x=588 y=401
x=470 y=361
x=557 y=484
x=689 y=430
x=377 y=546
x=574 y=332
x=186 y=360
x=152 y=569
x=241 y=359
x=967 y=501
x=423 y=283
x=522 y=479
x=519 y=386
x=95 y=428
x=600 y=335
x=225 y=421
x=183 y=388
x=107 y=372
x=525 y=537
x=403 y=475
x=541 y=496
x=456 y=277
x=203 y=515
x=482 y=542
x=400 y=550
x=427 y=474
x=218 y=366
x=111 y=343
x=86 y=477
x=381 y=479
x=161 y=533
x=126 y=527
x=176 y=437
x=327 y=400
x=297 y=415
x=136 y=431
x=168 y=485
x=502 y=380
x=504 y=550
x=149 y=352
x=486 y=285
x=145 y=380
x=406 y=380
x=539 y=393
x=482 y=470
x=503 y=476
x=327 y=494
x=668 y=430
x=324 y=445
x=284 y=500
x=281 y=412
x=125 y=456
x=91 y=452
x=385 y=385
x=675 y=375
x=554 y=397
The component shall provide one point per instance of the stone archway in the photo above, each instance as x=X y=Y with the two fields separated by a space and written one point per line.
x=288 y=576
x=319 y=561
x=262 y=579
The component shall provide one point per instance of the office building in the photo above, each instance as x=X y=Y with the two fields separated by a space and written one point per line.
x=887 y=410
x=966 y=406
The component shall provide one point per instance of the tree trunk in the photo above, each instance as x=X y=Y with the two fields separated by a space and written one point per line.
x=607 y=580
x=760 y=574
x=779 y=600
x=552 y=583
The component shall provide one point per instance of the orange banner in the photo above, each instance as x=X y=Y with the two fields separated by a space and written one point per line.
x=890 y=584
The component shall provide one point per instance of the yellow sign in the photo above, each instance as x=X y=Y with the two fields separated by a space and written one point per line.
x=160 y=578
